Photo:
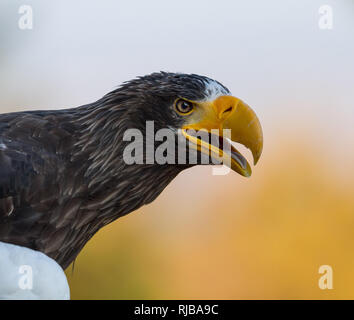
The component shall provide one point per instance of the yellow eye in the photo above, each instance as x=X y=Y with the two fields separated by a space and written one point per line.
x=183 y=106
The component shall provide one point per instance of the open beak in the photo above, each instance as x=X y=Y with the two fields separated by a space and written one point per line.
x=226 y=112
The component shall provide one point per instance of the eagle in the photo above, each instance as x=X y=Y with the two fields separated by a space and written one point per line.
x=63 y=174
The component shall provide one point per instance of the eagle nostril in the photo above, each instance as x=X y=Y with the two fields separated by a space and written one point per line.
x=227 y=110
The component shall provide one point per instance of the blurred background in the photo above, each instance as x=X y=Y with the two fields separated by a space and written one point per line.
x=210 y=237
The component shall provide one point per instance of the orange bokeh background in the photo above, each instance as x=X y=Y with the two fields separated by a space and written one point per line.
x=227 y=237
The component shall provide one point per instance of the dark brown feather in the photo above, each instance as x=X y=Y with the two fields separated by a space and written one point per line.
x=62 y=174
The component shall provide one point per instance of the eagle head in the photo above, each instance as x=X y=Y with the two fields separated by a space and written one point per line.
x=187 y=107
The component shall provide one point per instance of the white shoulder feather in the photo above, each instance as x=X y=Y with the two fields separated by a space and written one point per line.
x=29 y=274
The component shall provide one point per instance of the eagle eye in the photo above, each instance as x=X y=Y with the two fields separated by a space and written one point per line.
x=183 y=106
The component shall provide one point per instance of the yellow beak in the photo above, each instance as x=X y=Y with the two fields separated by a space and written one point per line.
x=226 y=112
